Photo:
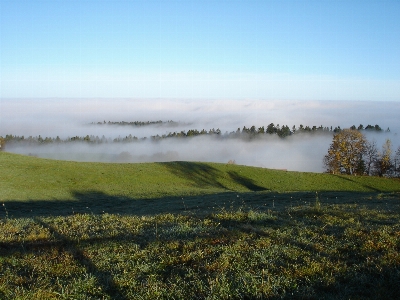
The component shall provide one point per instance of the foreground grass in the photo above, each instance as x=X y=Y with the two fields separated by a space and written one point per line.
x=185 y=230
x=310 y=251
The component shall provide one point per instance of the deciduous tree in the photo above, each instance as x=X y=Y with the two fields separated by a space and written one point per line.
x=370 y=157
x=397 y=162
x=384 y=162
x=345 y=154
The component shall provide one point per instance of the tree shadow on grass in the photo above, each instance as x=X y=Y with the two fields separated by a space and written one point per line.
x=200 y=174
x=96 y=202
x=246 y=182
x=104 y=278
x=358 y=183
x=362 y=281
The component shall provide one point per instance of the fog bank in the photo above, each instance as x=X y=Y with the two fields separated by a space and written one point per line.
x=301 y=152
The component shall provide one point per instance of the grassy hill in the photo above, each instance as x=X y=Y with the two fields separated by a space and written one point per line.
x=51 y=187
x=185 y=230
x=30 y=178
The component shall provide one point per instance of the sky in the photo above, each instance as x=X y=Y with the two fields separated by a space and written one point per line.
x=239 y=49
x=205 y=64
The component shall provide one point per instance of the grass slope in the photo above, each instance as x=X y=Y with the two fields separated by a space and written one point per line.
x=187 y=230
x=29 y=178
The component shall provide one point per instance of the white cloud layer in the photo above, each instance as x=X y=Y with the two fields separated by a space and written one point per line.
x=70 y=117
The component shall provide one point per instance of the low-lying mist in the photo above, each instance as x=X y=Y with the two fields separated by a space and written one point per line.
x=300 y=152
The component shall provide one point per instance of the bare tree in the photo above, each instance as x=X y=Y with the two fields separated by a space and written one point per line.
x=370 y=157
x=397 y=162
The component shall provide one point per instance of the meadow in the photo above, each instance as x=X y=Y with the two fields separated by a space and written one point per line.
x=188 y=230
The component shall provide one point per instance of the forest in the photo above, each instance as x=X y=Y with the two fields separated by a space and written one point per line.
x=244 y=133
x=352 y=153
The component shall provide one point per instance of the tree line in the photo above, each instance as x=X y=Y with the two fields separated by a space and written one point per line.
x=135 y=123
x=351 y=153
x=244 y=133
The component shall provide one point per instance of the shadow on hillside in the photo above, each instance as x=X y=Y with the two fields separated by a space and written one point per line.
x=358 y=183
x=200 y=174
x=246 y=182
x=95 y=202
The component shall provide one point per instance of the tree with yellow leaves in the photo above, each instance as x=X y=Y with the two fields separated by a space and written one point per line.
x=384 y=161
x=2 y=143
x=345 y=154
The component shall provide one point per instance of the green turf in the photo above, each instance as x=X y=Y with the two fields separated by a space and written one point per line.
x=29 y=178
x=304 y=252
x=186 y=230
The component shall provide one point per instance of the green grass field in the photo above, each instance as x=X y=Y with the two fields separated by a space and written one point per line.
x=186 y=230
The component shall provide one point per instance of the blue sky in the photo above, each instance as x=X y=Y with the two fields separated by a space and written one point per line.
x=248 y=49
